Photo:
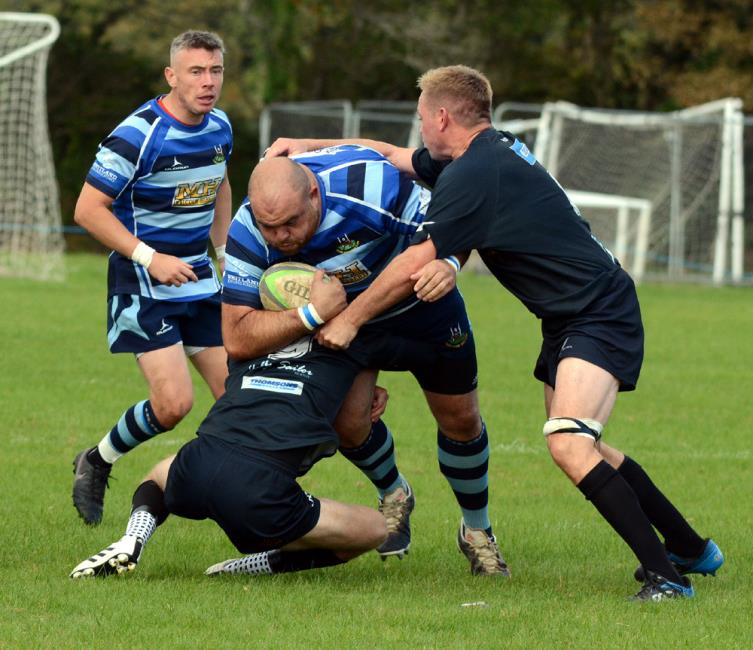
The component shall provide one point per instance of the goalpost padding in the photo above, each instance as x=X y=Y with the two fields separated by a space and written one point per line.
x=31 y=240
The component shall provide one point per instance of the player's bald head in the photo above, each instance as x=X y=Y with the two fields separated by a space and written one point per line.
x=277 y=181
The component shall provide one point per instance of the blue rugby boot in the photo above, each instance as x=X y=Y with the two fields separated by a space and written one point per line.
x=707 y=563
x=657 y=588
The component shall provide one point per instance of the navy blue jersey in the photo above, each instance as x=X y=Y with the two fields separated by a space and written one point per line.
x=496 y=198
x=370 y=212
x=164 y=176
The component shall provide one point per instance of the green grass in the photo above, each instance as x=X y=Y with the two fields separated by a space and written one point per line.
x=689 y=424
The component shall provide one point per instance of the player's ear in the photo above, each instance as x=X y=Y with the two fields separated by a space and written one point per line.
x=443 y=118
x=170 y=76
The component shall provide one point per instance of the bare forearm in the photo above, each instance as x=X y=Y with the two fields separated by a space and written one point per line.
x=391 y=286
x=258 y=332
x=102 y=224
x=222 y=215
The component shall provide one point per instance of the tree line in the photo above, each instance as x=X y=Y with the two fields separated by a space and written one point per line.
x=632 y=54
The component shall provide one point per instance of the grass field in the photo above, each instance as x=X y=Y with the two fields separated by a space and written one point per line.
x=689 y=424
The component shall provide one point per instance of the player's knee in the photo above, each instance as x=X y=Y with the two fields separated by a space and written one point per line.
x=565 y=436
x=462 y=427
x=171 y=410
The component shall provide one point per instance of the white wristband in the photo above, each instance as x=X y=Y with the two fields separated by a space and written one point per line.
x=219 y=252
x=308 y=314
x=143 y=254
x=453 y=262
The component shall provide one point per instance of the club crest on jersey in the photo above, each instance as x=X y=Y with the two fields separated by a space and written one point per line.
x=345 y=244
x=219 y=154
x=194 y=195
x=458 y=338
x=352 y=273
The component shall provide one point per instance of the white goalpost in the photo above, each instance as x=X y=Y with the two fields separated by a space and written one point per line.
x=684 y=168
x=31 y=239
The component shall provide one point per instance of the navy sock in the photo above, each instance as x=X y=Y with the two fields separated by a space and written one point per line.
x=679 y=536
x=616 y=502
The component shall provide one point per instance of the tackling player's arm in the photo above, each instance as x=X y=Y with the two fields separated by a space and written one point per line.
x=391 y=286
x=401 y=157
x=93 y=213
x=248 y=333
x=221 y=223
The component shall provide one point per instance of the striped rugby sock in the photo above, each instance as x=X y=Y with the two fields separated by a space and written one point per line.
x=138 y=424
x=465 y=465
x=376 y=459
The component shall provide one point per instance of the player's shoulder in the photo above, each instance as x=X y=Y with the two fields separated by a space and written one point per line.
x=137 y=125
x=220 y=116
x=336 y=156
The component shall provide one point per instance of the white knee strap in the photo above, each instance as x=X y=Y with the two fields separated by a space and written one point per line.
x=575 y=427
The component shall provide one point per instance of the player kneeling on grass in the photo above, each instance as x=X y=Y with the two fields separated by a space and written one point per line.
x=271 y=425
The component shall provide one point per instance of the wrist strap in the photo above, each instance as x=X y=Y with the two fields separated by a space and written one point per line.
x=219 y=252
x=142 y=254
x=454 y=262
x=308 y=314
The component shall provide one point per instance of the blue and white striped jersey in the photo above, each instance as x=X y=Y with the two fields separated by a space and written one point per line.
x=163 y=176
x=370 y=212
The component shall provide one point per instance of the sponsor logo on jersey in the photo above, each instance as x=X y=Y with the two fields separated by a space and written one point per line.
x=345 y=244
x=352 y=273
x=457 y=338
x=198 y=194
x=104 y=173
x=177 y=166
x=219 y=155
x=272 y=385
x=294 y=350
x=241 y=281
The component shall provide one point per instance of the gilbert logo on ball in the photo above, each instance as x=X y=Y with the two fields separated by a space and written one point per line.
x=286 y=285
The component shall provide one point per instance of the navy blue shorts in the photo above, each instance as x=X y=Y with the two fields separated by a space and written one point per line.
x=138 y=324
x=450 y=366
x=608 y=334
x=252 y=495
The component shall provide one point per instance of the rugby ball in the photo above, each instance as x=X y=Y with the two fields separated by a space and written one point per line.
x=286 y=285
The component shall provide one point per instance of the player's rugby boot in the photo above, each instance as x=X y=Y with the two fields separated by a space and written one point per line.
x=89 y=488
x=120 y=557
x=657 y=588
x=707 y=563
x=396 y=508
x=482 y=552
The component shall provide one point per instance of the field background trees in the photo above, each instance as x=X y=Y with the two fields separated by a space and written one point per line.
x=634 y=54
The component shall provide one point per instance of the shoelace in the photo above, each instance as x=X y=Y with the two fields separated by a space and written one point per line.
x=487 y=552
x=393 y=513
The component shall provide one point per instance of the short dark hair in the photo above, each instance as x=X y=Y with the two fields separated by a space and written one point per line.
x=192 y=40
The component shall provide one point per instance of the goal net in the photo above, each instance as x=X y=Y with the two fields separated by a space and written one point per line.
x=666 y=189
x=31 y=240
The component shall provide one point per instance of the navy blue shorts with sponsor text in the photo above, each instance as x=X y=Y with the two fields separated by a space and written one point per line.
x=609 y=334
x=252 y=495
x=139 y=324
x=449 y=367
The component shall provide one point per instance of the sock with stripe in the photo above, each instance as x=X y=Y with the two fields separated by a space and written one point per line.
x=465 y=465
x=279 y=561
x=137 y=424
x=376 y=459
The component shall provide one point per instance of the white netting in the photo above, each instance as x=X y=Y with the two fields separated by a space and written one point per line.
x=31 y=240
x=679 y=167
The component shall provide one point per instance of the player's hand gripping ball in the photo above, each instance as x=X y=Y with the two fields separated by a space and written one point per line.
x=286 y=285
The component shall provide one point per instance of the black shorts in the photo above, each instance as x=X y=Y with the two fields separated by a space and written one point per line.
x=448 y=366
x=608 y=334
x=252 y=495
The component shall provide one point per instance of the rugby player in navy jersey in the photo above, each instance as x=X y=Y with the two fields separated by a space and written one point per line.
x=490 y=194
x=156 y=193
x=348 y=211
x=270 y=426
